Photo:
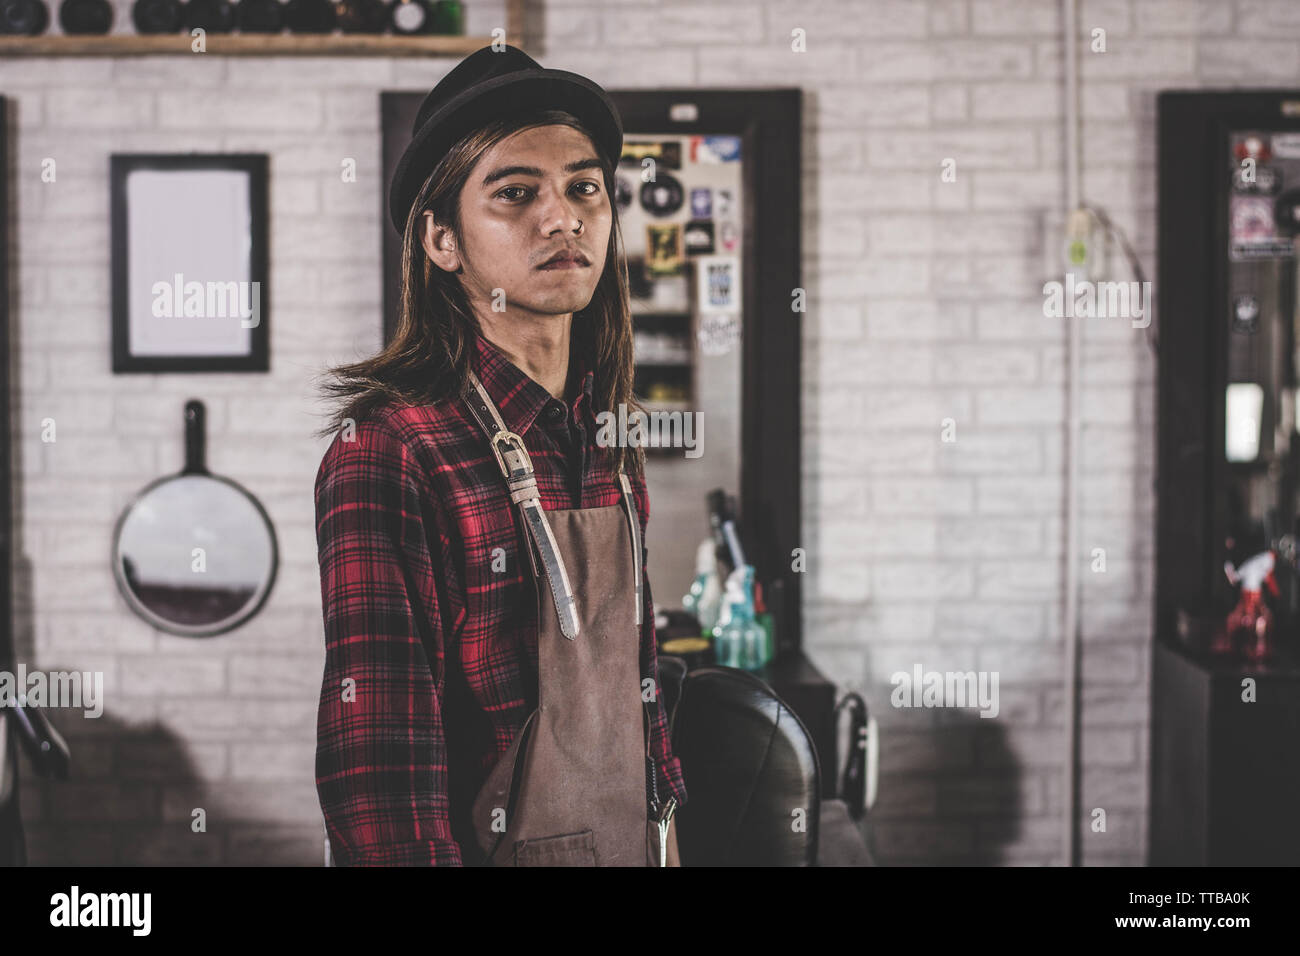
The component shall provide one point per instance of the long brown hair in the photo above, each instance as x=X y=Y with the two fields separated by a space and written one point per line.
x=428 y=360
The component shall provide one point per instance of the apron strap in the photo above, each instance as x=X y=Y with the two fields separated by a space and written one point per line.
x=517 y=468
x=634 y=522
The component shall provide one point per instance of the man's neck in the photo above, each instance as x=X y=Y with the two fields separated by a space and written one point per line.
x=539 y=348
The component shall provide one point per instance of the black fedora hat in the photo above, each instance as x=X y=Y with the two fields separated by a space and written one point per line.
x=485 y=86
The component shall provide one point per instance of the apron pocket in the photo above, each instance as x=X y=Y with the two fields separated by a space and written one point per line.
x=567 y=849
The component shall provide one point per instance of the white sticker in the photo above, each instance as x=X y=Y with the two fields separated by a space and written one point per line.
x=716 y=278
x=1286 y=145
x=718 y=334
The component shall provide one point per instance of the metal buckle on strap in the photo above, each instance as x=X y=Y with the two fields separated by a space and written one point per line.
x=517 y=466
x=516 y=461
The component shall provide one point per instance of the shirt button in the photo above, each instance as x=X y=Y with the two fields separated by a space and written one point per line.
x=556 y=412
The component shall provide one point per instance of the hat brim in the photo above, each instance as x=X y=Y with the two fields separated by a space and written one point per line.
x=493 y=99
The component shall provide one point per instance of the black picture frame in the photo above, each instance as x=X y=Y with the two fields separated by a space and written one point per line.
x=768 y=122
x=257 y=356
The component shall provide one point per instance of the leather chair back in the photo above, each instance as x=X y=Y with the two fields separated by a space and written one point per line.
x=752 y=776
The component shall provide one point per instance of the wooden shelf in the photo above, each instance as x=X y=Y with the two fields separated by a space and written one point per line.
x=666 y=405
x=246 y=44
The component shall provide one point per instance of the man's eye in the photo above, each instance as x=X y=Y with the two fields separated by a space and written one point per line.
x=595 y=188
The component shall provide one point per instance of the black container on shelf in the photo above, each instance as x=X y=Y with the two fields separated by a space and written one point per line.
x=259 y=16
x=310 y=16
x=152 y=17
x=23 y=17
x=86 y=17
x=362 y=16
x=213 y=16
x=411 y=17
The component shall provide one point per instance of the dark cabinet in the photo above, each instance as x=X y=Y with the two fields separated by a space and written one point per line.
x=1225 y=772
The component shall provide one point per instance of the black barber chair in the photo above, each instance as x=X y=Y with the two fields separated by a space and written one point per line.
x=753 y=779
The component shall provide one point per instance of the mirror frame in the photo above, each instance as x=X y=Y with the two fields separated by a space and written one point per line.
x=1192 y=467
x=8 y=653
x=198 y=630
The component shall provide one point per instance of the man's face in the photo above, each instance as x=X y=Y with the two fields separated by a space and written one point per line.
x=523 y=203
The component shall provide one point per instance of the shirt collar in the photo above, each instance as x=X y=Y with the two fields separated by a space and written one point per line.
x=520 y=398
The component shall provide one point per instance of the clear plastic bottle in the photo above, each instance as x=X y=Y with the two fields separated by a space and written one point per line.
x=705 y=595
x=739 y=640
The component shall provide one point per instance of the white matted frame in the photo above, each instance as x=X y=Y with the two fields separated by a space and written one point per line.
x=189 y=261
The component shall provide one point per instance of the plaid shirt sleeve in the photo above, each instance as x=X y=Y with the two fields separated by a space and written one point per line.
x=669 y=766
x=381 y=757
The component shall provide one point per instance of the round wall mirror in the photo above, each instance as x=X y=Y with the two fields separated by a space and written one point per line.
x=195 y=553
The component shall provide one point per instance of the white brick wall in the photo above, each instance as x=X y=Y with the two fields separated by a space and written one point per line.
x=963 y=542
x=947 y=555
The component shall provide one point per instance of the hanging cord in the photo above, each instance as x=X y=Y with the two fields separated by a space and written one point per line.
x=1114 y=232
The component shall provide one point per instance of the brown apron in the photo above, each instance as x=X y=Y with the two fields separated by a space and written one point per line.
x=572 y=790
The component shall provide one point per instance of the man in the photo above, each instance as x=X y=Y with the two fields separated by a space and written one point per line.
x=489 y=693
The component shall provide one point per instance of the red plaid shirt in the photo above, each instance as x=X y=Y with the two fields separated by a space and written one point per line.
x=442 y=648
